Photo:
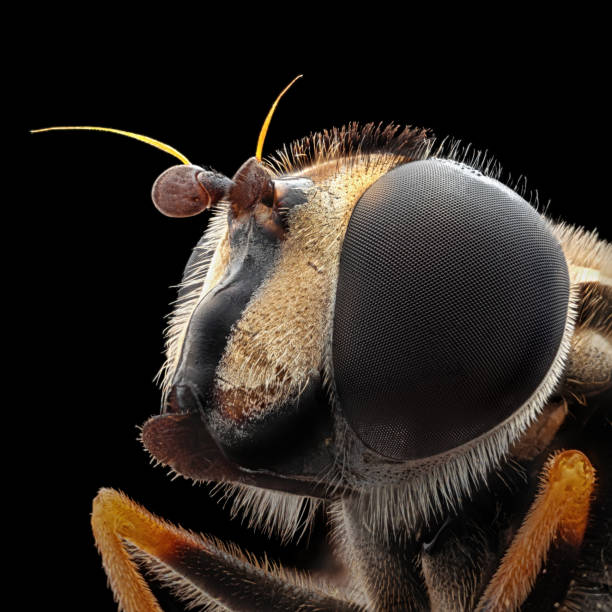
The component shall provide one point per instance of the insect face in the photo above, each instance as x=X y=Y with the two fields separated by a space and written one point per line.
x=248 y=342
x=378 y=318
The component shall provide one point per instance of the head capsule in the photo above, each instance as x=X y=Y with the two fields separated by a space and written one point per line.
x=372 y=306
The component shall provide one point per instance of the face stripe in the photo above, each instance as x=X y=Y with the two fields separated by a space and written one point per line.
x=280 y=339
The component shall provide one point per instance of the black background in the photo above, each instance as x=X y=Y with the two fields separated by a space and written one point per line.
x=100 y=259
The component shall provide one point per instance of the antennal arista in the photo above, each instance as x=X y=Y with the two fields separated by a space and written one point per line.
x=266 y=124
x=92 y=128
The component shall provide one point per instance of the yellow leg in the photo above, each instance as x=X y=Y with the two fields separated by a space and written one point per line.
x=203 y=569
x=115 y=518
x=560 y=510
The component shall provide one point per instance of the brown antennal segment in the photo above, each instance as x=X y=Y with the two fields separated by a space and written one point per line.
x=180 y=191
x=251 y=184
x=185 y=191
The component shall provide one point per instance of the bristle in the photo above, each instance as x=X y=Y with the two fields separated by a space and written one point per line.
x=584 y=248
x=352 y=142
x=590 y=260
x=485 y=163
x=273 y=513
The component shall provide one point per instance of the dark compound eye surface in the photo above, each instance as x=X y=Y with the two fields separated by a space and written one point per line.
x=451 y=304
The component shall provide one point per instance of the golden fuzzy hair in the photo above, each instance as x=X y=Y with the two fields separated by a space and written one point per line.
x=343 y=163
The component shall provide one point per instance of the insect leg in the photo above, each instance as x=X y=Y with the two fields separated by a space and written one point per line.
x=457 y=562
x=199 y=569
x=561 y=509
x=384 y=567
x=590 y=584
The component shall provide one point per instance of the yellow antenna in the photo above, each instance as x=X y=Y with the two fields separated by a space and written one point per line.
x=264 y=129
x=151 y=141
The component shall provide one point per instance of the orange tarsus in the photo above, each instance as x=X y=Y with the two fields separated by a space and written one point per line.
x=198 y=569
x=560 y=510
x=115 y=518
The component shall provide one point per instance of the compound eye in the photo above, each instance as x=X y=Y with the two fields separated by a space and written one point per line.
x=185 y=191
x=451 y=304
